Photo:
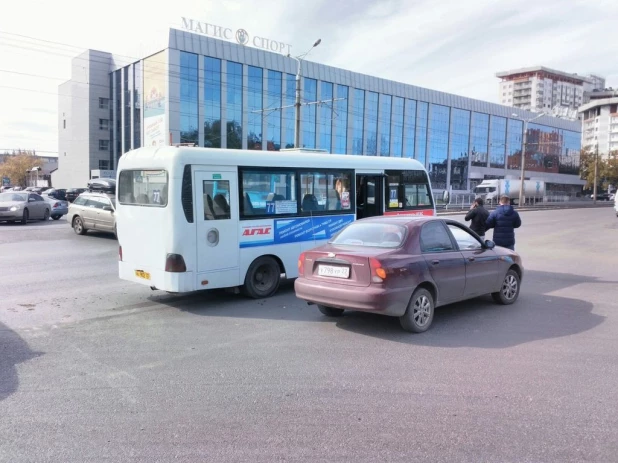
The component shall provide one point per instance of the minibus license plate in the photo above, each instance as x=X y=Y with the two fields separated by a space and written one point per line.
x=335 y=272
x=142 y=274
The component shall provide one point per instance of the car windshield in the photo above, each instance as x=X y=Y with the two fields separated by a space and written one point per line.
x=8 y=197
x=378 y=235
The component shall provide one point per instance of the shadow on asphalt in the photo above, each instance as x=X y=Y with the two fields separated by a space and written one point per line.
x=475 y=323
x=219 y=303
x=13 y=350
x=483 y=324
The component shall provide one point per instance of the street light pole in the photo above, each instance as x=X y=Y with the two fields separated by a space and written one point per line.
x=523 y=155
x=596 y=164
x=297 y=102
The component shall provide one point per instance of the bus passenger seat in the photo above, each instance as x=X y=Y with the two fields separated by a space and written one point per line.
x=248 y=206
x=310 y=203
x=208 y=208
x=221 y=207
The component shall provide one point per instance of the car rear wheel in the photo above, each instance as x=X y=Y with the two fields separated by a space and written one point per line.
x=330 y=312
x=24 y=217
x=509 y=291
x=78 y=225
x=46 y=215
x=419 y=314
x=263 y=278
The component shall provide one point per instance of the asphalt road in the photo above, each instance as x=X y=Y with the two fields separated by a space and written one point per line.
x=96 y=369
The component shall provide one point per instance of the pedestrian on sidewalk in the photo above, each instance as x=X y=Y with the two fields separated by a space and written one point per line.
x=504 y=220
x=478 y=215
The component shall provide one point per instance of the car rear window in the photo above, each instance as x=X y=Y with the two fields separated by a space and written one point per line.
x=143 y=187
x=377 y=235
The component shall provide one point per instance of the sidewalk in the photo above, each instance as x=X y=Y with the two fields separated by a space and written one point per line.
x=453 y=210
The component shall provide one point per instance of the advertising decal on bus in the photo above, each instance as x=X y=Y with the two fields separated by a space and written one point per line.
x=284 y=231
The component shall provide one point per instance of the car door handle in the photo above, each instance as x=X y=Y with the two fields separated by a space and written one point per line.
x=435 y=262
x=471 y=259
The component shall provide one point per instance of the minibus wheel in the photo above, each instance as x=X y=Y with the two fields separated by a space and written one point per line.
x=263 y=278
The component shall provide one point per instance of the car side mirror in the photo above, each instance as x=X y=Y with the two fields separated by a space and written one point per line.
x=108 y=208
x=489 y=244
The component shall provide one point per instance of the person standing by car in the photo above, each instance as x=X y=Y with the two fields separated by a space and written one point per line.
x=478 y=215
x=504 y=220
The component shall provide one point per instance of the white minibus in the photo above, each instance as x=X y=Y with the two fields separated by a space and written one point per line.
x=198 y=218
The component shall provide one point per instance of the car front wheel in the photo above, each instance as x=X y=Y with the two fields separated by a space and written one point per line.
x=419 y=314
x=509 y=291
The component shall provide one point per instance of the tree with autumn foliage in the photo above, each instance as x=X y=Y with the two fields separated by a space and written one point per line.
x=15 y=166
x=607 y=169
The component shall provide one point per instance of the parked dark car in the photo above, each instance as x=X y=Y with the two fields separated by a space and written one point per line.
x=102 y=185
x=55 y=193
x=405 y=267
x=73 y=193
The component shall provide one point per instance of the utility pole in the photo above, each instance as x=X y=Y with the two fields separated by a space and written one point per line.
x=596 y=164
x=297 y=102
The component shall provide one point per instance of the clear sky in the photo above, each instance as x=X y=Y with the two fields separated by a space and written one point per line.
x=455 y=46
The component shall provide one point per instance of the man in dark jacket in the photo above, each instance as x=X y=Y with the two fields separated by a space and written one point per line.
x=504 y=220
x=478 y=215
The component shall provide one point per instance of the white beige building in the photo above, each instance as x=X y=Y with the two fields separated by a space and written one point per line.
x=540 y=89
x=600 y=121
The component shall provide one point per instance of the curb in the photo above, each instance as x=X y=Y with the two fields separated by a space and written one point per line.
x=536 y=208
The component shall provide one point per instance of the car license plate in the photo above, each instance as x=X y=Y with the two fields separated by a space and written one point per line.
x=142 y=274
x=332 y=271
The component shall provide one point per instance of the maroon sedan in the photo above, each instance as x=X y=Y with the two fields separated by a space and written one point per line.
x=405 y=267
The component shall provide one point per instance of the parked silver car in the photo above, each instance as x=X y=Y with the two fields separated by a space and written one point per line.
x=20 y=206
x=93 y=211
x=58 y=207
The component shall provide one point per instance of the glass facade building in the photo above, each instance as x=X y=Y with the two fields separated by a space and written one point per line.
x=225 y=95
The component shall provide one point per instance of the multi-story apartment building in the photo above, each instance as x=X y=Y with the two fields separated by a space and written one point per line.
x=541 y=89
x=600 y=121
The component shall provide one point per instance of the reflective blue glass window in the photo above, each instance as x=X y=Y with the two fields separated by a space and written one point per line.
x=544 y=147
x=371 y=124
x=570 y=153
x=273 y=118
x=409 y=127
x=358 y=121
x=513 y=144
x=308 y=120
x=458 y=148
x=212 y=102
x=326 y=116
x=497 y=141
x=385 y=124
x=127 y=79
x=397 y=128
x=234 y=105
x=289 y=113
x=422 y=114
x=254 y=107
x=137 y=109
x=480 y=139
x=341 y=120
x=438 y=144
x=189 y=105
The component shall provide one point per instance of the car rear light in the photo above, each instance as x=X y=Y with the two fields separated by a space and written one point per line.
x=378 y=274
x=120 y=253
x=301 y=264
x=175 y=263
x=57 y=205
